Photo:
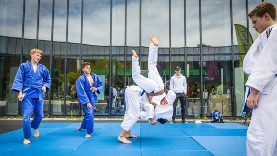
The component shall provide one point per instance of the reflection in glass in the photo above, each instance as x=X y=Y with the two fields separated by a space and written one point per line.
x=74 y=22
x=154 y=21
x=11 y=18
x=193 y=85
x=240 y=49
x=193 y=58
x=117 y=80
x=58 y=76
x=8 y=99
x=60 y=20
x=45 y=20
x=213 y=28
x=73 y=73
x=192 y=23
x=96 y=22
x=57 y=99
x=217 y=57
x=118 y=22
x=30 y=28
x=177 y=23
x=133 y=23
x=238 y=10
x=114 y=105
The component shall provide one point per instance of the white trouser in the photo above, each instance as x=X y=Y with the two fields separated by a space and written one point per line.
x=262 y=131
x=137 y=107
x=152 y=67
x=154 y=81
x=132 y=113
x=146 y=84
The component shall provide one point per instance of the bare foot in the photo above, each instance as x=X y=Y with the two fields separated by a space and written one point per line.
x=130 y=136
x=124 y=140
x=153 y=122
x=135 y=54
x=26 y=141
x=36 y=133
x=88 y=136
x=154 y=40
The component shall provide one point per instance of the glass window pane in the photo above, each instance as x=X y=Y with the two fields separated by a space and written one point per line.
x=60 y=20
x=177 y=23
x=96 y=22
x=192 y=23
x=132 y=23
x=30 y=28
x=45 y=20
x=193 y=57
x=118 y=22
x=242 y=43
x=8 y=99
x=11 y=18
x=214 y=24
x=154 y=21
x=118 y=31
x=73 y=73
x=217 y=57
x=74 y=23
x=57 y=86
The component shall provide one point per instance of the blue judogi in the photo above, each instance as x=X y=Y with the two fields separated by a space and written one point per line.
x=85 y=95
x=30 y=84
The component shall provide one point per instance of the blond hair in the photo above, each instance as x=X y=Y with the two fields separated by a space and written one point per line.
x=35 y=50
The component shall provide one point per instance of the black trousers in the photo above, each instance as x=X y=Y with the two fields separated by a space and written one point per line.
x=182 y=98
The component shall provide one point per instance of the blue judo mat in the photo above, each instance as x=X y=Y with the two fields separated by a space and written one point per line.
x=187 y=139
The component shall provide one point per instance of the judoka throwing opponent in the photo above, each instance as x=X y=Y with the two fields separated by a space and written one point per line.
x=260 y=63
x=31 y=82
x=87 y=85
x=147 y=100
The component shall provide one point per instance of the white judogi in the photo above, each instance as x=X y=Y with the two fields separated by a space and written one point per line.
x=260 y=64
x=138 y=107
x=133 y=110
x=154 y=81
x=137 y=104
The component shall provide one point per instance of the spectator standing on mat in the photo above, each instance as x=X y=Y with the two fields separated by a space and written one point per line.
x=178 y=84
x=260 y=64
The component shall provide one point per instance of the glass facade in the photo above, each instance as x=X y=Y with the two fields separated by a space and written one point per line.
x=208 y=39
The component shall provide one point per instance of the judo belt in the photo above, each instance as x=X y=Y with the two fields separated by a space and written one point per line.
x=142 y=92
x=156 y=94
x=39 y=89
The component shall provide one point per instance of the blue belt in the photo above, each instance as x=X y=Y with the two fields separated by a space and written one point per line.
x=142 y=92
